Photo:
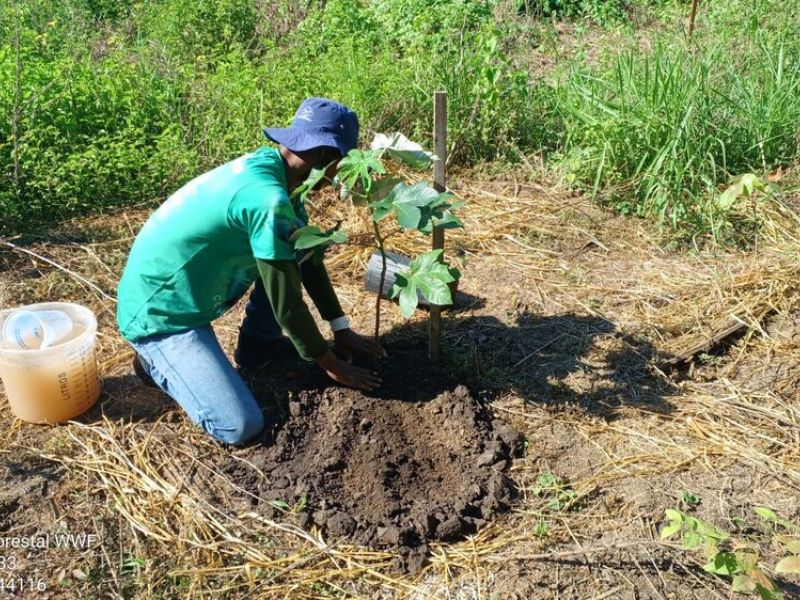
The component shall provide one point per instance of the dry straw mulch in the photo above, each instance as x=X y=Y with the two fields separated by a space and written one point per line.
x=573 y=315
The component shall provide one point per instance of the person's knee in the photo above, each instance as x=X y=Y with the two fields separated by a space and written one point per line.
x=242 y=428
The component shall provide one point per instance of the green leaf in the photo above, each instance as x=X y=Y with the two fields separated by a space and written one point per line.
x=674 y=515
x=408 y=215
x=408 y=300
x=669 y=530
x=302 y=190
x=708 y=530
x=790 y=564
x=750 y=183
x=382 y=188
x=414 y=205
x=690 y=499
x=729 y=196
x=744 y=185
x=747 y=559
x=541 y=529
x=311 y=237
x=429 y=277
x=691 y=540
x=280 y=504
x=435 y=290
x=448 y=221
x=356 y=169
x=724 y=563
x=766 y=513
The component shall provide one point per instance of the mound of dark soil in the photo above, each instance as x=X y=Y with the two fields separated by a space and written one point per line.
x=420 y=460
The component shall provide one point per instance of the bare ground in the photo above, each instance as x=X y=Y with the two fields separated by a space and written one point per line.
x=569 y=316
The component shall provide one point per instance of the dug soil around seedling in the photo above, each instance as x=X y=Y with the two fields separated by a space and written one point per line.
x=417 y=461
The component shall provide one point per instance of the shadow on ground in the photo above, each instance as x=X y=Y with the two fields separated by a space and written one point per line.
x=564 y=360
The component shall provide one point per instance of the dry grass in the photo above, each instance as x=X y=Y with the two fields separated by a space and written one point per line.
x=578 y=309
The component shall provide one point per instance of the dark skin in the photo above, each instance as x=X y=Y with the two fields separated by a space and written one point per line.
x=348 y=342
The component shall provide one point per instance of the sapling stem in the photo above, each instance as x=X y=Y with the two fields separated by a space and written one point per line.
x=380 y=240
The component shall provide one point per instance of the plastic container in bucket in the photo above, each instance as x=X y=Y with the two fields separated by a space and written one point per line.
x=54 y=384
x=34 y=329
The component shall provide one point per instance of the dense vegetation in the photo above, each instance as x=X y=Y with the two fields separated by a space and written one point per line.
x=112 y=102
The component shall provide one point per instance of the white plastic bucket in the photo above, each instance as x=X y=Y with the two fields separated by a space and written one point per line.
x=56 y=383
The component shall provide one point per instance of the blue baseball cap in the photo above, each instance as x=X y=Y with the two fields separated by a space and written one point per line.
x=318 y=122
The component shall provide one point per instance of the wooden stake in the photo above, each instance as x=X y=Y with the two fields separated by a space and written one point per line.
x=439 y=182
x=692 y=17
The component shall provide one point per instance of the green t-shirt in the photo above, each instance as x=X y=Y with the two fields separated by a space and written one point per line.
x=195 y=256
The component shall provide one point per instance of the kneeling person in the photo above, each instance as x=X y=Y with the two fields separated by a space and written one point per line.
x=200 y=252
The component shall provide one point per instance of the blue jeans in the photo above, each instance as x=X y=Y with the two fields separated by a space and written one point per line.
x=191 y=368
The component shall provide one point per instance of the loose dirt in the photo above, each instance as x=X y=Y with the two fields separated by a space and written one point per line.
x=420 y=460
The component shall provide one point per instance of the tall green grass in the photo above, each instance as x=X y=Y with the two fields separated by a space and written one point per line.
x=122 y=101
x=657 y=133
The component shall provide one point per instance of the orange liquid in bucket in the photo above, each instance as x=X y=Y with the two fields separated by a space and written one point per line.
x=56 y=386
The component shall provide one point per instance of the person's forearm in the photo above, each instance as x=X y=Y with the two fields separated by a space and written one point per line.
x=320 y=290
x=282 y=284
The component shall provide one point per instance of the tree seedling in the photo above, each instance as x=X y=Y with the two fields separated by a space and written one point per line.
x=690 y=500
x=737 y=558
x=561 y=495
x=364 y=179
x=298 y=507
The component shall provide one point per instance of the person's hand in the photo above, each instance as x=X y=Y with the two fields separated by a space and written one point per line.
x=359 y=345
x=347 y=374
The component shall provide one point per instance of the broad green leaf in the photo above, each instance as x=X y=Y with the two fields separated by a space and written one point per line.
x=708 y=530
x=408 y=215
x=790 y=564
x=743 y=185
x=400 y=148
x=405 y=202
x=429 y=277
x=743 y=584
x=724 y=563
x=356 y=170
x=417 y=206
x=426 y=261
x=449 y=221
x=434 y=290
x=750 y=183
x=766 y=513
x=382 y=188
x=674 y=515
x=729 y=196
x=408 y=299
x=311 y=237
x=302 y=190
x=691 y=540
x=669 y=530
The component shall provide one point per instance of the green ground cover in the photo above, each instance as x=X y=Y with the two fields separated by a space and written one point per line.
x=108 y=103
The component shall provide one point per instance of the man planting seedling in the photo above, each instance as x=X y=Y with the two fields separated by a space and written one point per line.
x=203 y=249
